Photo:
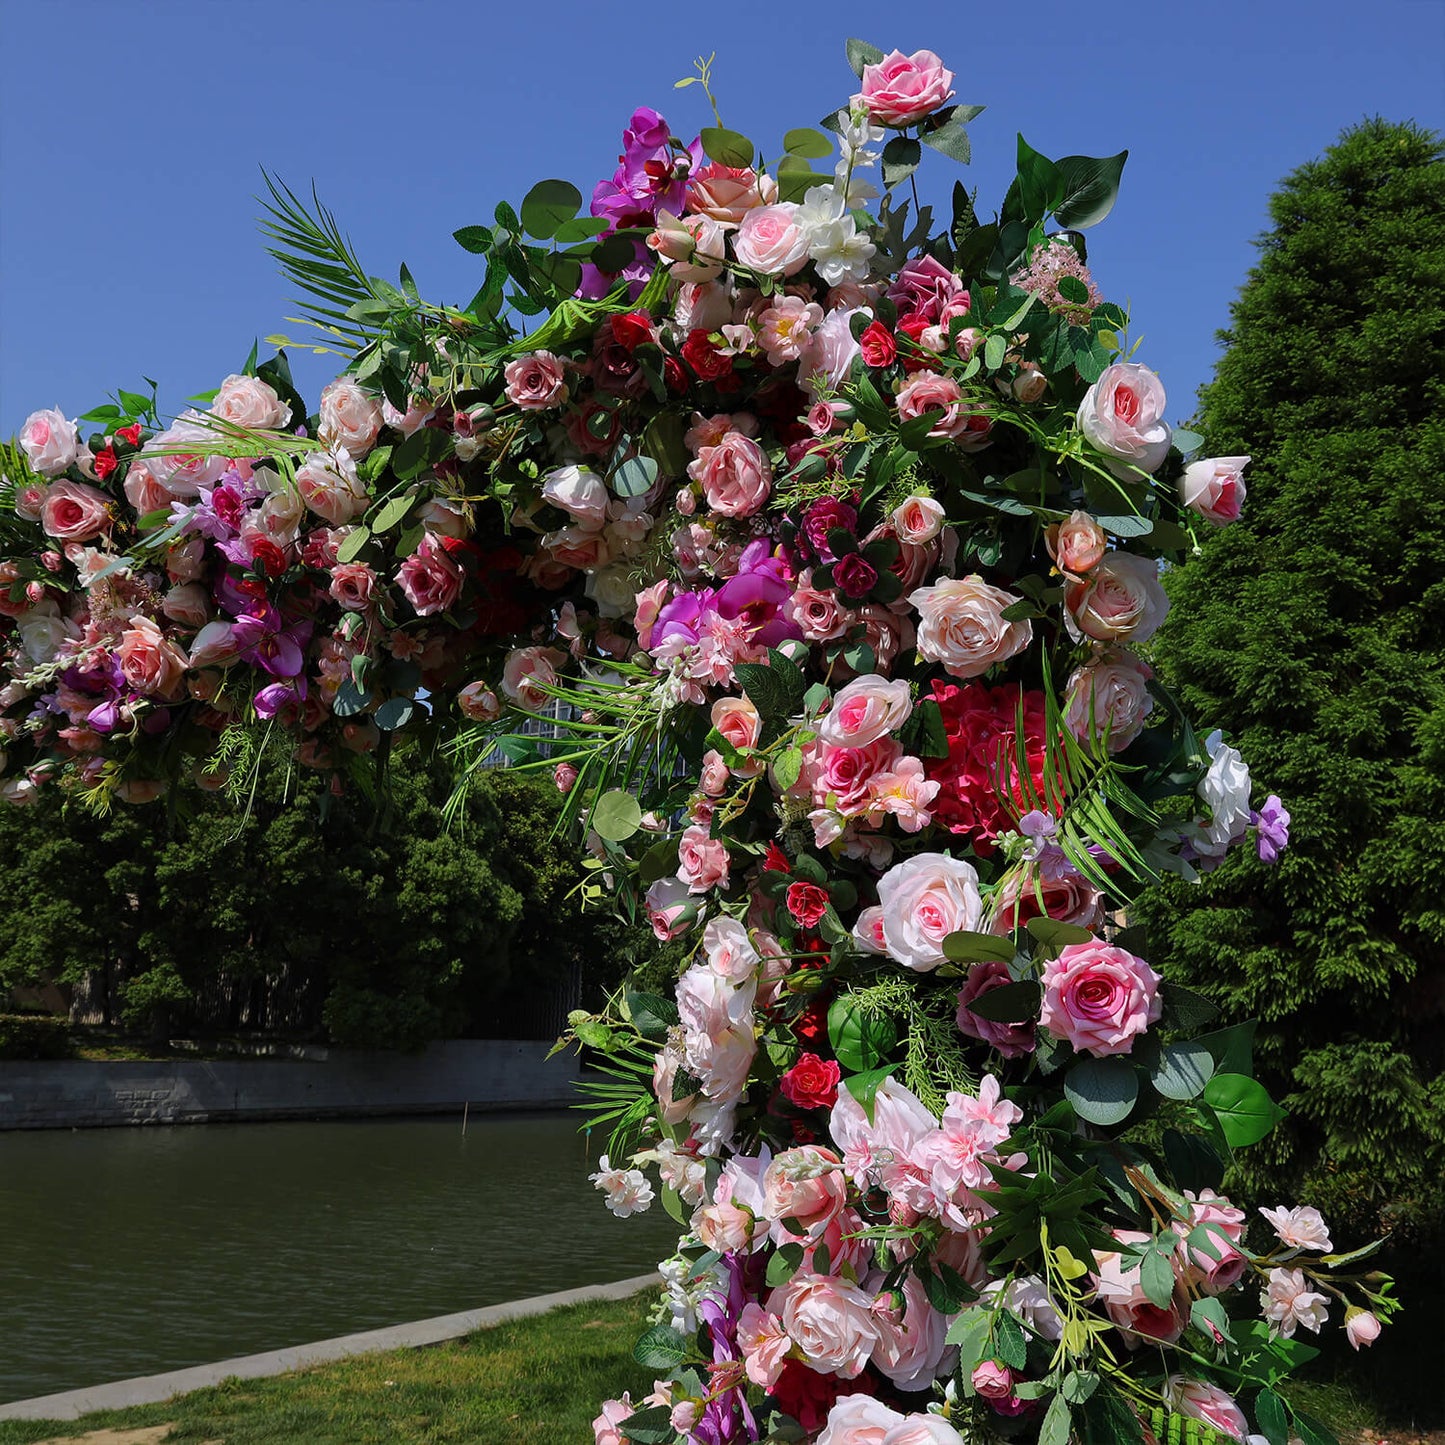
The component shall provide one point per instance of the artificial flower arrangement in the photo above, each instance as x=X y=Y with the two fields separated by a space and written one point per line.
x=815 y=550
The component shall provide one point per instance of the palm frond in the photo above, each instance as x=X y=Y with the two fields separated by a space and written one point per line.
x=317 y=259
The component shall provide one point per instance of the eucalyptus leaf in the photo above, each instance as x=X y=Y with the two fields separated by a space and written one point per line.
x=1184 y=1069
x=395 y=713
x=727 y=147
x=634 y=477
x=616 y=816
x=548 y=205
x=1102 y=1091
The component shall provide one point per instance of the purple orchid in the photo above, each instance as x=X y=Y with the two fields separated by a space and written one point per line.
x=284 y=698
x=264 y=640
x=1272 y=822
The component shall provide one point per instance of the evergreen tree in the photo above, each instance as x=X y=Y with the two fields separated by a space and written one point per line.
x=1313 y=633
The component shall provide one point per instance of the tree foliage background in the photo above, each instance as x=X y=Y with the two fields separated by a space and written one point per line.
x=1313 y=633
x=323 y=922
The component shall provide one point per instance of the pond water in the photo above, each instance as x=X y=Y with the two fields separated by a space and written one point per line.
x=132 y=1251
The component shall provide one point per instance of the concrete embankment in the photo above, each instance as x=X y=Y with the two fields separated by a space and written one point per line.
x=334 y=1083
x=153 y=1389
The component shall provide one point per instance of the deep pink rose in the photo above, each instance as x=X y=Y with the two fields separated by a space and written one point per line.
x=536 y=381
x=735 y=475
x=1012 y=1040
x=73 y=512
x=429 y=579
x=1099 y=998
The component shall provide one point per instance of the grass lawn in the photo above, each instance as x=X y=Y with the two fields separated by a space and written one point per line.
x=530 y=1382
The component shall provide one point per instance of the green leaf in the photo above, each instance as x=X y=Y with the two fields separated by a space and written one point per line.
x=1090 y=188
x=860 y=1040
x=1009 y=1003
x=351 y=547
x=994 y=350
x=476 y=239
x=950 y=139
x=784 y=1264
x=1186 y=1009
x=1039 y=183
x=1271 y=1417
x=727 y=147
x=1183 y=1070
x=652 y=1426
x=864 y=1087
x=788 y=768
x=420 y=452
x=809 y=143
x=651 y=1014
x=349 y=700
x=1245 y=1110
x=616 y=816
x=1058 y=1425
x=634 y=477
x=1053 y=934
x=391 y=513
x=1102 y=1091
x=1010 y=1341
x=658 y=861
x=548 y=205
x=860 y=53
x=970 y=1332
x=395 y=713
x=1311 y=1432
x=1192 y=1160
x=1232 y=1049
x=900 y=159
x=1126 y=524
x=966 y=947
x=1078 y=1385
x=661 y=1348
x=1208 y=1315
x=1156 y=1274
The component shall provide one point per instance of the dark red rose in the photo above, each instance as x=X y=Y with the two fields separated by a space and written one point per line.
x=808 y=1396
x=674 y=375
x=812 y=1023
x=702 y=354
x=267 y=557
x=854 y=576
x=812 y=1083
x=913 y=328
x=826 y=515
x=807 y=903
x=632 y=330
x=878 y=346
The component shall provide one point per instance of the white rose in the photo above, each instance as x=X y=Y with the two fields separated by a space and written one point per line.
x=249 y=402
x=611 y=588
x=1225 y=788
x=579 y=492
x=49 y=441
x=42 y=630
x=349 y=416
x=924 y=899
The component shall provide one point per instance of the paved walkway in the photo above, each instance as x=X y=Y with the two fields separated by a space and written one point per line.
x=151 y=1389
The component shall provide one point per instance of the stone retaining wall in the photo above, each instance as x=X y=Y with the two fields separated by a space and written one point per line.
x=486 y=1073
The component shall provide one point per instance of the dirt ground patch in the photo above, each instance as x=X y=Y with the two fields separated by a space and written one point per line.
x=151 y=1435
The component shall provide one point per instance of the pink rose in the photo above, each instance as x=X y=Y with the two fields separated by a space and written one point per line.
x=151 y=663
x=50 y=442
x=1217 y=1272
x=1121 y=598
x=830 y=1321
x=1120 y=1289
x=728 y=193
x=1123 y=415
x=961 y=625
x=924 y=899
x=1288 y=1302
x=867 y=709
x=1215 y=488
x=917 y=520
x=30 y=498
x=1058 y=891
x=924 y=1430
x=429 y=579
x=901 y=89
x=805 y=1186
x=527 y=672
x=184 y=473
x=926 y=287
x=73 y=512
x=992 y=1380
x=738 y=720
x=349 y=416
x=1012 y=1040
x=1110 y=696
x=142 y=491
x=770 y=241
x=579 y=492
x=1303 y=1227
x=479 y=703
x=735 y=475
x=818 y=614
x=1205 y=1402
x=928 y=391
x=330 y=487
x=1077 y=544
x=606 y=1428
x=1361 y=1328
x=859 y=1420
x=702 y=862
x=247 y=401
x=353 y=584
x=671 y=910
x=825 y=364
x=188 y=604
x=1100 y=998
x=536 y=381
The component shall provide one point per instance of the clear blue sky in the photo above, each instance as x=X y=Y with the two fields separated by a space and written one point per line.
x=131 y=132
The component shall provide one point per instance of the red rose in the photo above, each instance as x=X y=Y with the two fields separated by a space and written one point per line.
x=674 y=376
x=812 y=1083
x=775 y=860
x=812 y=1023
x=632 y=330
x=130 y=435
x=913 y=328
x=267 y=557
x=702 y=354
x=854 y=576
x=807 y=903
x=878 y=346
x=105 y=463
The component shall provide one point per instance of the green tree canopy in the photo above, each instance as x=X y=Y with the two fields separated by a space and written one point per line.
x=1313 y=633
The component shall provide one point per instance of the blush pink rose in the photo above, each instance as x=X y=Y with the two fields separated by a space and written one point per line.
x=349 y=417
x=818 y=613
x=429 y=579
x=188 y=604
x=142 y=491
x=859 y=1420
x=536 y=381
x=1099 y=998
x=50 y=442
x=830 y=1321
x=735 y=475
x=961 y=625
x=353 y=584
x=671 y=909
x=527 y=672
x=1205 y=1402
x=805 y=1186
x=1122 y=414
x=924 y=899
x=702 y=861
x=479 y=703
x=73 y=512
x=917 y=520
x=901 y=89
x=1077 y=544
x=151 y=663
x=928 y=391
x=1215 y=488
x=247 y=401
x=1121 y=598
x=728 y=193
x=1012 y=1040
x=738 y=720
x=770 y=241
x=330 y=487
x=867 y=709
x=1110 y=695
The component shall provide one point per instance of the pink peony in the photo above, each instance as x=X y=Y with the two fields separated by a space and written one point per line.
x=1099 y=998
